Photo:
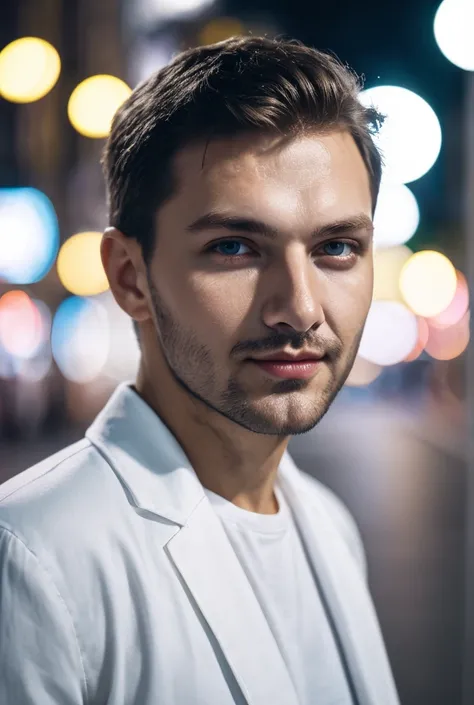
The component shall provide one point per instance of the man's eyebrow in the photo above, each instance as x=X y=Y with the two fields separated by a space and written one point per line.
x=215 y=220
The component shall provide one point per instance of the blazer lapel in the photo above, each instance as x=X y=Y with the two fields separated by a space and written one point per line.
x=160 y=481
x=207 y=563
x=344 y=592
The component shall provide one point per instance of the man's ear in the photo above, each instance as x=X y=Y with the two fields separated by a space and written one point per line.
x=125 y=269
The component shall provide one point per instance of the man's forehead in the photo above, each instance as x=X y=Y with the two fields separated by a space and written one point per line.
x=250 y=171
x=259 y=153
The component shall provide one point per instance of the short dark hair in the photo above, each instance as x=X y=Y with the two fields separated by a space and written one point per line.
x=238 y=85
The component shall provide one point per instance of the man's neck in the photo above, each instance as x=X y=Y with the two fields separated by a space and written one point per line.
x=231 y=461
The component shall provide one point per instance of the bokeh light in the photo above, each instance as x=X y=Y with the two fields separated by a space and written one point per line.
x=39 y=364
x=37 y=367
x=80 y=266
x=453 y=28
x=94 y=102
x=80 y=339
x=146 y=12
x=29 y=68
x=390 y=333
x=410 y=138
x=396 y=216
x=388 y=263
x=363 y=373
x=7 y=364
x=423 y=335
x=29 y=235
x=457 y=308
x=124 y=352
x=449 y=343
x=428 y=282
x=219 y=29
x=22 y=329
x=149 y=55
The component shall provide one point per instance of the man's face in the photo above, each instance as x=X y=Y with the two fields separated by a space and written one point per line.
x=222 y=295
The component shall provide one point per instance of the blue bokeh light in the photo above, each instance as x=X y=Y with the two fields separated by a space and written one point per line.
x=80 y=338
x=65 y=322
x=29 y=235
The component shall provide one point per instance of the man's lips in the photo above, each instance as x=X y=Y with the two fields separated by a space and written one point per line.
x=289 y=369
x=305 y=356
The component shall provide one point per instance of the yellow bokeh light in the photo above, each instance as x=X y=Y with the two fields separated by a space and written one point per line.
x=80 y=266
x=219 y=29
x=94 y=102
x=388 y=263
x=29 y=68
x=428 y=283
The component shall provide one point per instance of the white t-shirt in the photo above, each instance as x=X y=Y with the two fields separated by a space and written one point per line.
x=273 y=557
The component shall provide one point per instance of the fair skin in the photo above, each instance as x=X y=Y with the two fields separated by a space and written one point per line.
x=203 y=314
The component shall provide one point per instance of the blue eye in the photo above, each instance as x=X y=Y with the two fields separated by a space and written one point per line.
x=229 y=248
x=232 y=249
x=336 y=248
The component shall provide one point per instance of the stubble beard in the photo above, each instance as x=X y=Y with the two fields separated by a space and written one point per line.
x=192 y=366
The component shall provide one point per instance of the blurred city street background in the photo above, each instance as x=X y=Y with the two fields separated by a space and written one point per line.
x=395 y=444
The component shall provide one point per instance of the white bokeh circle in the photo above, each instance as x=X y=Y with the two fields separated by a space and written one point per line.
x=397 y=216
x=410 y=137
x=390 y=333
x=454 y=29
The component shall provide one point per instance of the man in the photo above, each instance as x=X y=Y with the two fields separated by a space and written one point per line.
x=176 y=555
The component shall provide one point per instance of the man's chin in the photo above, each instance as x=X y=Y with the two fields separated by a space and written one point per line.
x=278 y=424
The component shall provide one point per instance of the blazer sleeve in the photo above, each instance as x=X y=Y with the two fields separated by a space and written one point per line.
x=40 y=660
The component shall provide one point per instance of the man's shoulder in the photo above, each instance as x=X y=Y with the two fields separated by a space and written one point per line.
x=57 y=495
x=60 y=461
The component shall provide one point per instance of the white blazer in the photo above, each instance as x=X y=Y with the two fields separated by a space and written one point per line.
x=118 y=585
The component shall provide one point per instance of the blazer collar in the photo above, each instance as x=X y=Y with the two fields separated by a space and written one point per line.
x=146 y=456
x=148 y=459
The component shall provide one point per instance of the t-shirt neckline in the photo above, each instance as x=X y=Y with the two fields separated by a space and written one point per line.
x=263 y=523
